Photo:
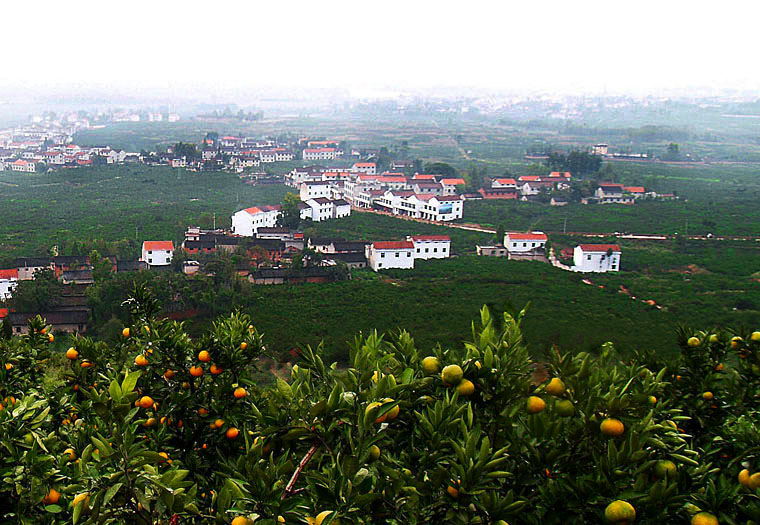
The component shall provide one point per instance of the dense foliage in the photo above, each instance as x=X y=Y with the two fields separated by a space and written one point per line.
x=160 y=426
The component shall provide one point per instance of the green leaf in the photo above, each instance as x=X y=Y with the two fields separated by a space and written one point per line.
x=77 y=512
x=111 y=492
x=55 y=509
x=130 y=381
x=115 y=391
x=284 y=389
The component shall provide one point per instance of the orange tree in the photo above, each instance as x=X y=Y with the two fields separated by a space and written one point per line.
x=161 y=427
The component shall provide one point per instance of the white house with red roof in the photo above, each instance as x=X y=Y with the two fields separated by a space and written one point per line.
x=369 y=168
x=24 y=166
x=382 y=255
x=246 y=222
x=8 y=283
x=157 y=253
x=636 y=191
x=519 y=242
x=596 y=258
x=504 y=183
x=451 y=185
x=431 y=246
x=443 y=208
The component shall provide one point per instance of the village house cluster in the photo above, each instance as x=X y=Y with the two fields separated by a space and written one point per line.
x=531 y=246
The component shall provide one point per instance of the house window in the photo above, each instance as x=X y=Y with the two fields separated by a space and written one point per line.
x=435 y=250
x=588 y=257
x=443 y=249
x=397 y=254
x=408 y=254
x=525 y=245
x=150 y=260
x=150 y=252
x=418 y=250
x=379 y=265
x=382 y=254
x=427 y=250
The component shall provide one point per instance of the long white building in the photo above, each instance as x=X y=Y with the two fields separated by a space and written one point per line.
x=431 y=246
x=382 y=255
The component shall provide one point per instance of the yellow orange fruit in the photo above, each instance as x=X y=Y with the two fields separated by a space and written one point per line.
x=70 y=452
x=146 y=402
x=754 y=481
x=704 y=518
x=215 y=370
x=169 y=373
x=72 y=353
x=204 y=356
x=196 y=371
x=736 y=342
x=84 y=496
x=452 y=375
x=232 y=433
x=612 y=427
x=556 y=387
x=707 y=396
x=141 y=360
x=239 y=392
x=620 y=511
x=430 y=365
x=744 y=477
x=52 y=497
x=693 y=342
x=535 y=405
x=565 y=408
x=755 y=336
x=466 y=387
x=125 y=332
x=243 y=345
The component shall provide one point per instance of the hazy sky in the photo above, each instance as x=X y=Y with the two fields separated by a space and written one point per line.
x=559 y=46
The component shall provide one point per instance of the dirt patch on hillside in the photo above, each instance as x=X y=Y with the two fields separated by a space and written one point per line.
x=692 y=269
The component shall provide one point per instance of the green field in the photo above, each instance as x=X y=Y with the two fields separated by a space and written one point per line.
x=117 y=202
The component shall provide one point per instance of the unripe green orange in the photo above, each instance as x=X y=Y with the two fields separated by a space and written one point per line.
x=452 y=375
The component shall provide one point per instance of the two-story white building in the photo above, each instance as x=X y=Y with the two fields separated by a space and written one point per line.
x=596 y=258
x=315 y=190
x=23 y=166
x=321 y=153
x=8 y=283
x=382 y=255
x=246 y=222
x=157 y=253
x=431 y=246
x=609 y=193
x=441 y=208
x=368 y=168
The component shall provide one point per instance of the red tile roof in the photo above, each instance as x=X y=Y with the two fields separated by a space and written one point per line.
x=158 y=245
x=600 y=247
x=9 y=274
x=3 y=313
x=364 y=164
x=634 y=189
x=420 y=176
x=506 y=181
x=516 y=236
x=442 y=198
x=393 y=245
x=431 y=238
x=390 y=178
x=530 y=178
x=253 y=210
x=565 y=174
x=452 y=182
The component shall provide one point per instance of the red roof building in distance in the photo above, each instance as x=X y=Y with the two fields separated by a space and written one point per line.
x=420 y=176
x=611 y=185
x=391 y=178
x=9 y=274
x=158 y=245
x=393 y=245
x=3 y=313
x=364 y=164
x=529 y=178
x=600 y=248
x=533 y=236
x=453 y=182
x=431 y=238
x=560 y=174
x=634 y=189
x=506 y=182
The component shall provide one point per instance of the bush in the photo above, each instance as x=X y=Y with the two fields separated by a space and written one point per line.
x=184 y=434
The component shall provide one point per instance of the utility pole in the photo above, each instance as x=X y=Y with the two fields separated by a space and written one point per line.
x=215 y=220
x=564 y=226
